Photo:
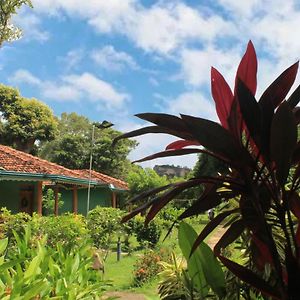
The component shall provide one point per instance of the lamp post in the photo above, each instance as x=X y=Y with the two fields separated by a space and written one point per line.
x=105 y=124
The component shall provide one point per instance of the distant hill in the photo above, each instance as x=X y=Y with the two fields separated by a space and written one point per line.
x=171 y=171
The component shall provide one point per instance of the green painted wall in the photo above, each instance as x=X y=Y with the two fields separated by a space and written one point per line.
x=98 y=196
x=10 y=197
x=10 y=194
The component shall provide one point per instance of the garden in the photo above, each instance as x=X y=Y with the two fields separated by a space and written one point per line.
x=159 y=245
x=73 y=257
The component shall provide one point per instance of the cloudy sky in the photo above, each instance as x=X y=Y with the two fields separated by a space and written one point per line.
x=112 y=59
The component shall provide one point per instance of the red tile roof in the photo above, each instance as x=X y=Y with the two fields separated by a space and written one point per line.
x=100 y=177
x=17 y=161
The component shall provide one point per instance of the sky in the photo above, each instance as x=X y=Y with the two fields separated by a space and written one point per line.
x=109 y=60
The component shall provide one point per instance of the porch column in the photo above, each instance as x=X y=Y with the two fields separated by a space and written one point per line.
x=39 y=197
x=56 y=200
x=75 y=200
x=113 y=200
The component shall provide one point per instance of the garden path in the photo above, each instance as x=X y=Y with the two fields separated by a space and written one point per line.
x=215 y=236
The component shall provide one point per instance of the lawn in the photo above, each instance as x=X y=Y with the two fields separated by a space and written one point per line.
x=120 y=273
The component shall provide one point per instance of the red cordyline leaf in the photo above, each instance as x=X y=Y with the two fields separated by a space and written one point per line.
x=181 y=144
x=298 y=236
x=247 y=69
x=222 y=96
x=264 y=250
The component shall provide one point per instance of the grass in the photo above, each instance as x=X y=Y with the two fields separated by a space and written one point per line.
x=121 y=272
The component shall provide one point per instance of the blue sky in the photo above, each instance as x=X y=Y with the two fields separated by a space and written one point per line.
x=112 y=59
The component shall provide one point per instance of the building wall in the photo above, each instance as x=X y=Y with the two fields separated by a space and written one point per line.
x=10 y=194
x=98 y=196
x=10 y=197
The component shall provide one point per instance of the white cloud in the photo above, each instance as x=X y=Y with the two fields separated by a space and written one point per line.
x=162 y=27
x=75 y=88
x=72 y=59
x=31 y=26
x=110 y=59
x=60 y=92
x=196 y=64
x=24 y=76
x=97 y=89
x=192 y=103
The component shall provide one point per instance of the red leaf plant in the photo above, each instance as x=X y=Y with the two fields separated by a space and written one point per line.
x=258 y=141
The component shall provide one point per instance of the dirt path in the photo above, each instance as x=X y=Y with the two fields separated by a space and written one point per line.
x=215 y=236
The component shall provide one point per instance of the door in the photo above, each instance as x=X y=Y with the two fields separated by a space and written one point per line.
x=26 y=201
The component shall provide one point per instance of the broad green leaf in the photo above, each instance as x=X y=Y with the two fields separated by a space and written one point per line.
x=3 y=245
x=33 y=266
x=210 y=266
x=36 y=289
x=186 y=239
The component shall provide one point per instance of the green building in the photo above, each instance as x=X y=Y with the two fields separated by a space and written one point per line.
x=23 y=178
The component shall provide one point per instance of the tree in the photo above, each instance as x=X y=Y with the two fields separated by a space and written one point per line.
x=207 y=165
x=140 y=180
x=24 y=121
x=8 y=31
x=72 y=147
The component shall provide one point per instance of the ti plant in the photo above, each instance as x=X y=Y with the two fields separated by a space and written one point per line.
x=258 y=142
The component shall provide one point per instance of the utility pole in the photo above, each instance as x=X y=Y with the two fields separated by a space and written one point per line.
x=90 y=171
x=103 y=125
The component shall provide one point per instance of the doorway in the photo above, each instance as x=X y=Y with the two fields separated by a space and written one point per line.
x=26 y=199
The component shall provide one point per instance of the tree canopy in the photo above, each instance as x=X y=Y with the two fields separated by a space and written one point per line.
x=8 y=31
x=24 y=121
x=72 y=147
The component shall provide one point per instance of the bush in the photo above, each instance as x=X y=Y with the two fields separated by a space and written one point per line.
x=149 y=265
x=70 y=230
x=10 y=222
x=169 y=215
x=149 y=234
x=102 y=223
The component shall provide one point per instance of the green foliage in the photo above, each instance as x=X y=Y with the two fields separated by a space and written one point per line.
x=49 y=201
x=8 y=31
x=24 y=121
x=209 y=166
x=12 y=222
x=69 y=230
x=71 y=148
x=175 y=283
x=203 y=268
x=148 y=265
x=40 y=272
x=102 y=223
x=169 y=215
x=140 y=180
x=146 y=235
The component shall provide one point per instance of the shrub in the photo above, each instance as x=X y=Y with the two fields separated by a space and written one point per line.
x=146 y=235
x=70 y=230
x=103 y=223
x=148 y=265
x=10 y=222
